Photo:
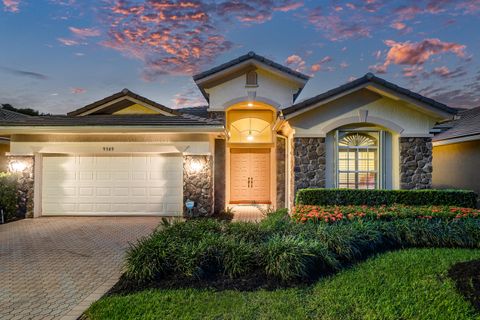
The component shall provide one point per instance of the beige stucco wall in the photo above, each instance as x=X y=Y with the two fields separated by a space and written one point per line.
x=366 y=106
x=270 y=86
x=4 y=148
x=112 y=143
x=457 y=166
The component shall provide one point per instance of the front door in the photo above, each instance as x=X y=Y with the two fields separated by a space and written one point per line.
x=250 y=175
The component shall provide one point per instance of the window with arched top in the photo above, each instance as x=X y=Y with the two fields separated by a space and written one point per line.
x=357 y=160
x=252 y=78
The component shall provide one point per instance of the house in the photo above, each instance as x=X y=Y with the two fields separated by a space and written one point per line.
x=456 y=152
x=6 y=115
x=252 y=144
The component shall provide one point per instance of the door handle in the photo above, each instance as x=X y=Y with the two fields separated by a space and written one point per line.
x=251 y=182
x=248 y=183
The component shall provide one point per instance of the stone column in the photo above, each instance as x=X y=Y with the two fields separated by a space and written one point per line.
x=198 y=184
x=280 y=155
x=415 y=163
x=25 y=183
x=309 y=163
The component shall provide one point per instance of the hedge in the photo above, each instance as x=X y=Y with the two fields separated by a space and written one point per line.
x=459 y=198
x=8 y=195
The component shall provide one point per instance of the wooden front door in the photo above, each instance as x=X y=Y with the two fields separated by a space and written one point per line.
x=250 y=175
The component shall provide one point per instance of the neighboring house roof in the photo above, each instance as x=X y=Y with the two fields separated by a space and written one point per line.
x=11 y=115
x=361 y=82
x=114 y=120
x=124 y=93
x=466 y=125
x=250 y=56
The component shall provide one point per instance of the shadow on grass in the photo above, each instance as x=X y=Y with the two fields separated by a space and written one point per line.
x=467 y=280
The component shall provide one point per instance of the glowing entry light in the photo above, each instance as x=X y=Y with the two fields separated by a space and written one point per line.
x=196 y=166
x=250 y=137
x=17 y=166
x=250 y=104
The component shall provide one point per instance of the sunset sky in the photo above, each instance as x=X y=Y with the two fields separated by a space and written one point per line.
x=58 y=55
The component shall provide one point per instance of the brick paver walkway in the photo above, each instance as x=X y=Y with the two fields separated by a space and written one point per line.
x=50 y=265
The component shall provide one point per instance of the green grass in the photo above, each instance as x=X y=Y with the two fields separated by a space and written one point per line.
x=406 y=284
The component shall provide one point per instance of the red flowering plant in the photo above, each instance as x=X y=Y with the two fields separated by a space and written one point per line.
x=330 y=214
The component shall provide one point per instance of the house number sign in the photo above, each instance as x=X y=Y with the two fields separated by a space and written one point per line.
x=108 y=148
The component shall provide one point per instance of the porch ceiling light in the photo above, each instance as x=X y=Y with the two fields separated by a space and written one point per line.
x=250 y=104
x=250 y=136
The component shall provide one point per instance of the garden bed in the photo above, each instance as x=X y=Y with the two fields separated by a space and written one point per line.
x=280 y=251
x=467 y=280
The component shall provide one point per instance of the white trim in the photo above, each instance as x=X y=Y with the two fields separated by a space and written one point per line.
x=310 y=135
x=456 y=140
x=416 y=135
x=368 y=119
x=37 y=184
x=102 y=129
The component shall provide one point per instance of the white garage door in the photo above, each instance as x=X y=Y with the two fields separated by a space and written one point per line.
x=112 y=185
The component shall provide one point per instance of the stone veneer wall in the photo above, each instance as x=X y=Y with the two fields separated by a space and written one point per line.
x=415 y=163
x=280 y=154
x=26 y=185
x=198 y=184
x=309 y=166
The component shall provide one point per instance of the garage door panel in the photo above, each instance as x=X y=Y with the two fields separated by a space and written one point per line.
x=82 y=185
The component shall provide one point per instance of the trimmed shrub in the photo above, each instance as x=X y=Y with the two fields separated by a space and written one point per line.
x=8 y=195
x=331 y=197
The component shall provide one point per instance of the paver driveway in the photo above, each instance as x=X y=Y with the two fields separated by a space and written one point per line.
x=50 y=265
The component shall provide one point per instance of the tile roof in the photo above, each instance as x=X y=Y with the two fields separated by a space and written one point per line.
x=11 y=115
x=113 y=120
x=124 y=93
x=250 y=56
x=369 y=77
x=468 y=124
x=196 y=111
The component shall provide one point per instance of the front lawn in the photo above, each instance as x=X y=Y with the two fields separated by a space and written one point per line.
x=406 y=284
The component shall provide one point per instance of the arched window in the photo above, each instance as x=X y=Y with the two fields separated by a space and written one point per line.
x=251 y=78
x=357 y=160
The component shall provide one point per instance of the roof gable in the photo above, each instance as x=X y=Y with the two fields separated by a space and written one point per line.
x=242 y=65
x=375 y=84
x=123 y=102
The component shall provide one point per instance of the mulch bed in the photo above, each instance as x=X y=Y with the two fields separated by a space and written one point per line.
x=467 y=280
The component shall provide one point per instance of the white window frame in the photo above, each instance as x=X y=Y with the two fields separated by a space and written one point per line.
x=380 y=158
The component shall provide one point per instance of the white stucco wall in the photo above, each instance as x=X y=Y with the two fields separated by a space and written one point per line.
x=270 y=86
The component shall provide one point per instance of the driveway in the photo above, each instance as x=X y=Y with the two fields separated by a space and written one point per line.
x=55 y=267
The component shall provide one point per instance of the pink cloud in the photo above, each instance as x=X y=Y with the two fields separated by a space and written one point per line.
x=85 y=32
x=11 y=5
x=68 y=42
x=419 y=52
x=398 y=25
x=296 y=62
x=416 y=53
x=188 y=98
x=180 y=36
x=445 y=73
x=78 y=90
x=337 y=28
x=344 y=65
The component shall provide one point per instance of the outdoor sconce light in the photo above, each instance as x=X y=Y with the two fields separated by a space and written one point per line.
x=17 y=166
x=196 y=166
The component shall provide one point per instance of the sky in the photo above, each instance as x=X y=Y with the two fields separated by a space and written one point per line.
x=59 y=55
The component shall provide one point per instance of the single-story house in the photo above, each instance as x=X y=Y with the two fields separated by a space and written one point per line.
x=252 y=144
x=456 y=152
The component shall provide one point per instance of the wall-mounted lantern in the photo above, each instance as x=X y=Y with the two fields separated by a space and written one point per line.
x=17 y=166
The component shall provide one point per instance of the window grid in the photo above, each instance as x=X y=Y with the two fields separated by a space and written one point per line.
x=357 y=162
